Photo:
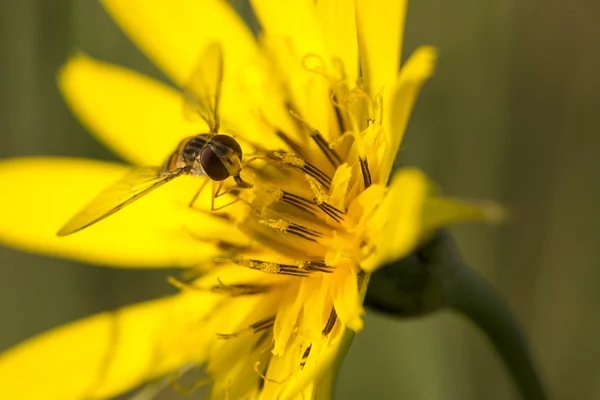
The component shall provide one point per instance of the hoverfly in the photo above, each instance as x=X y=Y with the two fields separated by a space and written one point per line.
x=211 y=154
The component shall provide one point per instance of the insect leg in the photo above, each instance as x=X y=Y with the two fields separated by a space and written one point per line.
x=217 y=187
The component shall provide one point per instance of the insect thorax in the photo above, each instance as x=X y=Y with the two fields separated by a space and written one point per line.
x=187 y=155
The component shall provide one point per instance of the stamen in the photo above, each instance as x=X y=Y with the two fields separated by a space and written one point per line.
x=321 y=195
x=317 y=174
x=290 y=227
x=322 y=198
x=332 y=212
x=317 y=266
x=305 y=166
x=254 y=328
x=340 y=119
x=239 y=289
x=298 y=202
x=267 y=267
x=332 y=155
x=364 y=167
x=289 y=198
x=277 y=224
x=330 y=322
x=230 y=290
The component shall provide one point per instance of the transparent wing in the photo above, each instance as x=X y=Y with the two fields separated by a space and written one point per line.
x=203 y=90
x=131 y=187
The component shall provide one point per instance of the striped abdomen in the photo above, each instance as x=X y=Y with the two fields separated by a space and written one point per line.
x=187 y=153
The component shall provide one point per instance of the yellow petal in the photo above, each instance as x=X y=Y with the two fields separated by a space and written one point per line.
x=417 y=69
x=380 y=30
x=337 y=20
x=397 y=224
x=410 y=212
x=292 y=34
x=347 y=300
x=173 y=34
x=137 y=117
x=288 y=380
x=109 y=353
x=41 y=194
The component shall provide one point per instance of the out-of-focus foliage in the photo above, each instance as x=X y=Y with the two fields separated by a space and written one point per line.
x=511 y=114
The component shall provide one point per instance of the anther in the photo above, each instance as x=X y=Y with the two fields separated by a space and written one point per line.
x=299 y=202
x=303 y=165
x=320 y=195
x=317 y=266
x=330 y=322
x=322 y=198
x=364 y=167
x=334 y=213
x=290 y=227
x=266 y=266
x=332 y=155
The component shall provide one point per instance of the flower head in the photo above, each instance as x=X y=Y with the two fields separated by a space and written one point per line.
x=274 y=273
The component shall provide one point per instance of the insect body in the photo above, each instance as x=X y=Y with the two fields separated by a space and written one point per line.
x=210 y=154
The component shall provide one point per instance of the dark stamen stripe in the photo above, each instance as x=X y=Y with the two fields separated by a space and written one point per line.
x=305 y=356
x=303 y=236
x=330 y=322
x=332 y=155
x=333 y=212
x=299 y=205
x=330 y=214
x=239 y=289
x=255 y=328
x=267 y=266
x=291 y=143
x=262 y=325
x=300 y=199
x=339 y=117
x=299 y=202
x=304 y=229
x=318 y=266
x=317 y=174
x=364 y=167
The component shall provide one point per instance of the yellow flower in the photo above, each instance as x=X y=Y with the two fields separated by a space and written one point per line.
x=274 y=280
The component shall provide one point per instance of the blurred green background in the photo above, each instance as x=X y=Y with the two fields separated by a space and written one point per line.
x=511 y=114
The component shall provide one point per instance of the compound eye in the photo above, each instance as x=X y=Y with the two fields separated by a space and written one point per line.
x=212 y=165
x=227 y=143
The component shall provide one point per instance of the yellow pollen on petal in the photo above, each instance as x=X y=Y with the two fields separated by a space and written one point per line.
x=264 y=266
x=291 y=159
x=320 y=195
x=277 y=224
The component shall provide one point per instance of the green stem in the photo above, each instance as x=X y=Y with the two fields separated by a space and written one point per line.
x=476 y=299
x=435 y=277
